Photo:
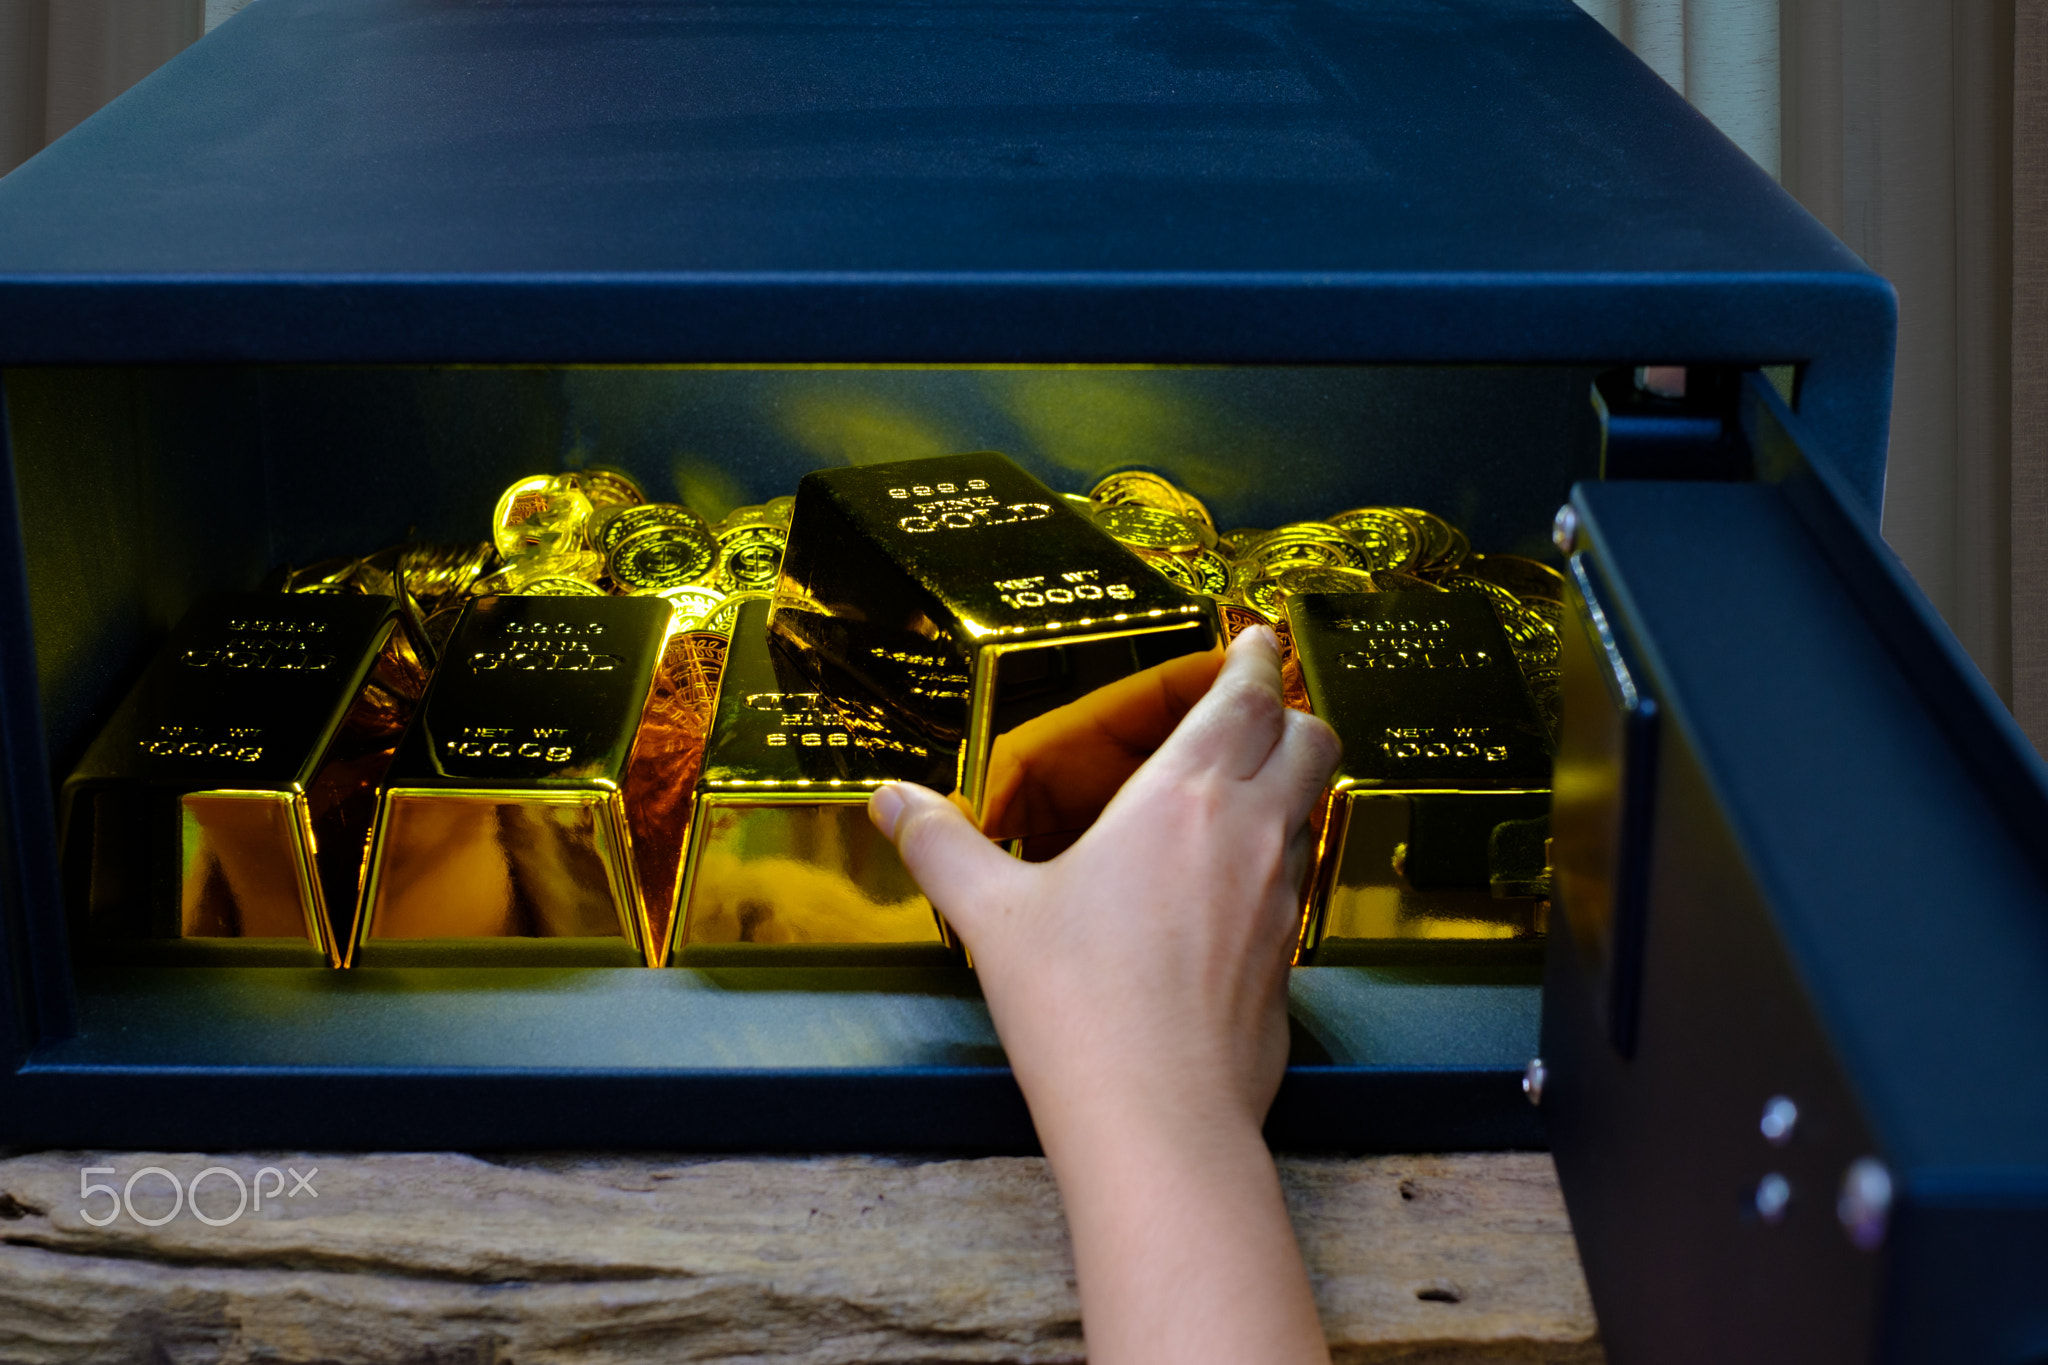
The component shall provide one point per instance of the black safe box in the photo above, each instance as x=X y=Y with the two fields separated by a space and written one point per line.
x=345 y=268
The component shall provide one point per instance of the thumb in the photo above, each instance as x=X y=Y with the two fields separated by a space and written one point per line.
x=953 y=862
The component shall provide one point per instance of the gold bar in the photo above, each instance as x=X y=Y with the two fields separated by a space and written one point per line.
x=967 y=598
x=503 y=834
x=223 y=813
x=784 y=866
x=1445 y=780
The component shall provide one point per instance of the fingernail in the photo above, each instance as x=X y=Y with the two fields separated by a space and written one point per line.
x=885 y=808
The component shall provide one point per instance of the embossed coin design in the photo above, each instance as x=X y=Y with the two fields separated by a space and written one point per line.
x=1148 y=527
x=633 y=520
x=750 y=558
x=665 y=557
x=1304 y=545
x=1390 y=539
x=608 y=487
x=541 y=514
x=1213 y=572
x=721 y=621
x=692 y=603
x=1174 y=567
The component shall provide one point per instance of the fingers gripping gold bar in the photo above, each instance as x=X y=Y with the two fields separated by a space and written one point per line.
x=1443 y=788
x=784 y=865
x=502 y=829
x=222 y=813
x=966 y=597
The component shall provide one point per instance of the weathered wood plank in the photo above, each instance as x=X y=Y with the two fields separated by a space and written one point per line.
x=446 y=1257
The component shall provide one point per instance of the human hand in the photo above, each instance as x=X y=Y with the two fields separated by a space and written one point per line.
x=1050 y=778
x=1139 y=983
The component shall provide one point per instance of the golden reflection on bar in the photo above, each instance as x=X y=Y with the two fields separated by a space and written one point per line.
x=784 y=866
x=965 y=598
x=1439 y=808
x=503 y=834
x=223 y=813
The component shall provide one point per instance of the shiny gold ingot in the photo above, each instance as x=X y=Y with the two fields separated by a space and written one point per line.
x=967 y=597
x=503 y=833
x=784 y=864
x=1446 y=763
x=222 y=814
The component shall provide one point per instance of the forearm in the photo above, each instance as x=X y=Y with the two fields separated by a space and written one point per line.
x=1182 y=1245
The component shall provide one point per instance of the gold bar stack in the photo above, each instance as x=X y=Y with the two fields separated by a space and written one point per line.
x=651 y=735
x=503 y=834
x=966 y=598
x=222 y=814
x=1439 y=807
x=784 y=866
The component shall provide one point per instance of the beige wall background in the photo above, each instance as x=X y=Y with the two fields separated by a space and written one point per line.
x=1916 y=129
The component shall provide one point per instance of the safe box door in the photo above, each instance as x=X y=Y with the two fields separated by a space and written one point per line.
x=1795 y=1040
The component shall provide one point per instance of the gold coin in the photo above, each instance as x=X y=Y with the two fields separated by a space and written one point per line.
x=1534 y=639
x=662 y=557
x=1136 y=486
x=691 y=604
x=630 y=521
x=609 y=487
x=434 y=574
x=721 y=621
x=554 y=585
x=1319 y=579
x=1390 y=538
x=696 y=660
x=1213 y=570
x=1265 y=596
x=1526 y=578
x=541 y=514
x=1173 y=567
x=1147 y=527
x=1502 y=599
x=1302 y=546
x=1436 y=535
x=753 y=514
x=778 y=509
x=749 y=558
x=1239 y=542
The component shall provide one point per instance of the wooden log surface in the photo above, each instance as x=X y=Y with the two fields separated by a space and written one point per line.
x=452 y=1258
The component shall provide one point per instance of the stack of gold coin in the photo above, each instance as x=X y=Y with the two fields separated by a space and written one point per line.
x=1251 y=572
